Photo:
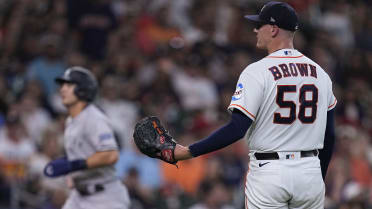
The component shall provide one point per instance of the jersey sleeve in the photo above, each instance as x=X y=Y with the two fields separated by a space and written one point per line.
x=248 y=94
x=332 y=101
x=101 y=135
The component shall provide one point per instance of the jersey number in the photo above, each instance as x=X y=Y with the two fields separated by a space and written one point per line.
x=312 y=103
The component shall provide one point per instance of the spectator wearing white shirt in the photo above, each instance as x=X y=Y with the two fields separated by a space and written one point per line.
x=16 y=148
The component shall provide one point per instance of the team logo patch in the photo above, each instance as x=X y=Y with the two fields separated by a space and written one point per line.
x=238 y=92
x=105 y=136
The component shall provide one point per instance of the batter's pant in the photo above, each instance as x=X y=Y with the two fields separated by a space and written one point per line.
x=114 y=196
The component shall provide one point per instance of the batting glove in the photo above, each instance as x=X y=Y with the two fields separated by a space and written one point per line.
x=62 y=166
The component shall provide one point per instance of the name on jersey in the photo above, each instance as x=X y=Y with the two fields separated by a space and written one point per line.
x=293 y=70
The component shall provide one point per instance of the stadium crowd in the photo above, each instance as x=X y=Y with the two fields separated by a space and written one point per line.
x=179 y=60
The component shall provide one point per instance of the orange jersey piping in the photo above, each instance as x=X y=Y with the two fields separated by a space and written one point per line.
x=244 y=110
x=334 y=103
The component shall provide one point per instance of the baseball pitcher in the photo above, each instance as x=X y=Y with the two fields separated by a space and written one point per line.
x=283 y=106
x=90 y=147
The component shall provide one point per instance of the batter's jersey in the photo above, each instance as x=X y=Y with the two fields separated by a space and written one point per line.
x=88 y=133
x=287 y=95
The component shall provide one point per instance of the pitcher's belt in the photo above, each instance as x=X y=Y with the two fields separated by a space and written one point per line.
x=275 y=155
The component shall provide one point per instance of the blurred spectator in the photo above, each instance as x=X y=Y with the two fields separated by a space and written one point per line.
x=48 y=66
x=337 y=21
x=171 y=196
x=350 y=108
x=74 y=58
x=154 y=30
x=233 y=164
x=361 y=171
x=202 y=93
x=34 y=117
x=353 y=196
x=93 y=21
x=50 y=148
x=123 y=113
x=147 y=170
x=54 y=189
x=213 y=195
x=34 y=89
x=214 y=170
x=141 y=197
x=324 y=58
x=188 y=181
x=201 y=28
x=16 y=148
x=15 y=152
x=4 y=96
x=364 y=36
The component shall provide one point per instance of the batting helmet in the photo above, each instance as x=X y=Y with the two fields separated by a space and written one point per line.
x=86 y=84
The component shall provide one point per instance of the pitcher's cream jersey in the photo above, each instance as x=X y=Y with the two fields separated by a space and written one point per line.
x=287 y=96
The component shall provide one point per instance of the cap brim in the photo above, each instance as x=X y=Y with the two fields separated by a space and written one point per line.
x=253 y=18
x=62 y=80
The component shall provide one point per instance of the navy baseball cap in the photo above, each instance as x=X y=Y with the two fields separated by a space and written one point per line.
x=276 y=13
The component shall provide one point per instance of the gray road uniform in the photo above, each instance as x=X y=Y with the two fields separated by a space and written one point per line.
x=88 y=133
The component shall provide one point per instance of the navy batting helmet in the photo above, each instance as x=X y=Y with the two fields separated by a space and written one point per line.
x=86 y=84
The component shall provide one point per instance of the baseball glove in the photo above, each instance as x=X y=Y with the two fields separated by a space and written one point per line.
x=153 y=140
